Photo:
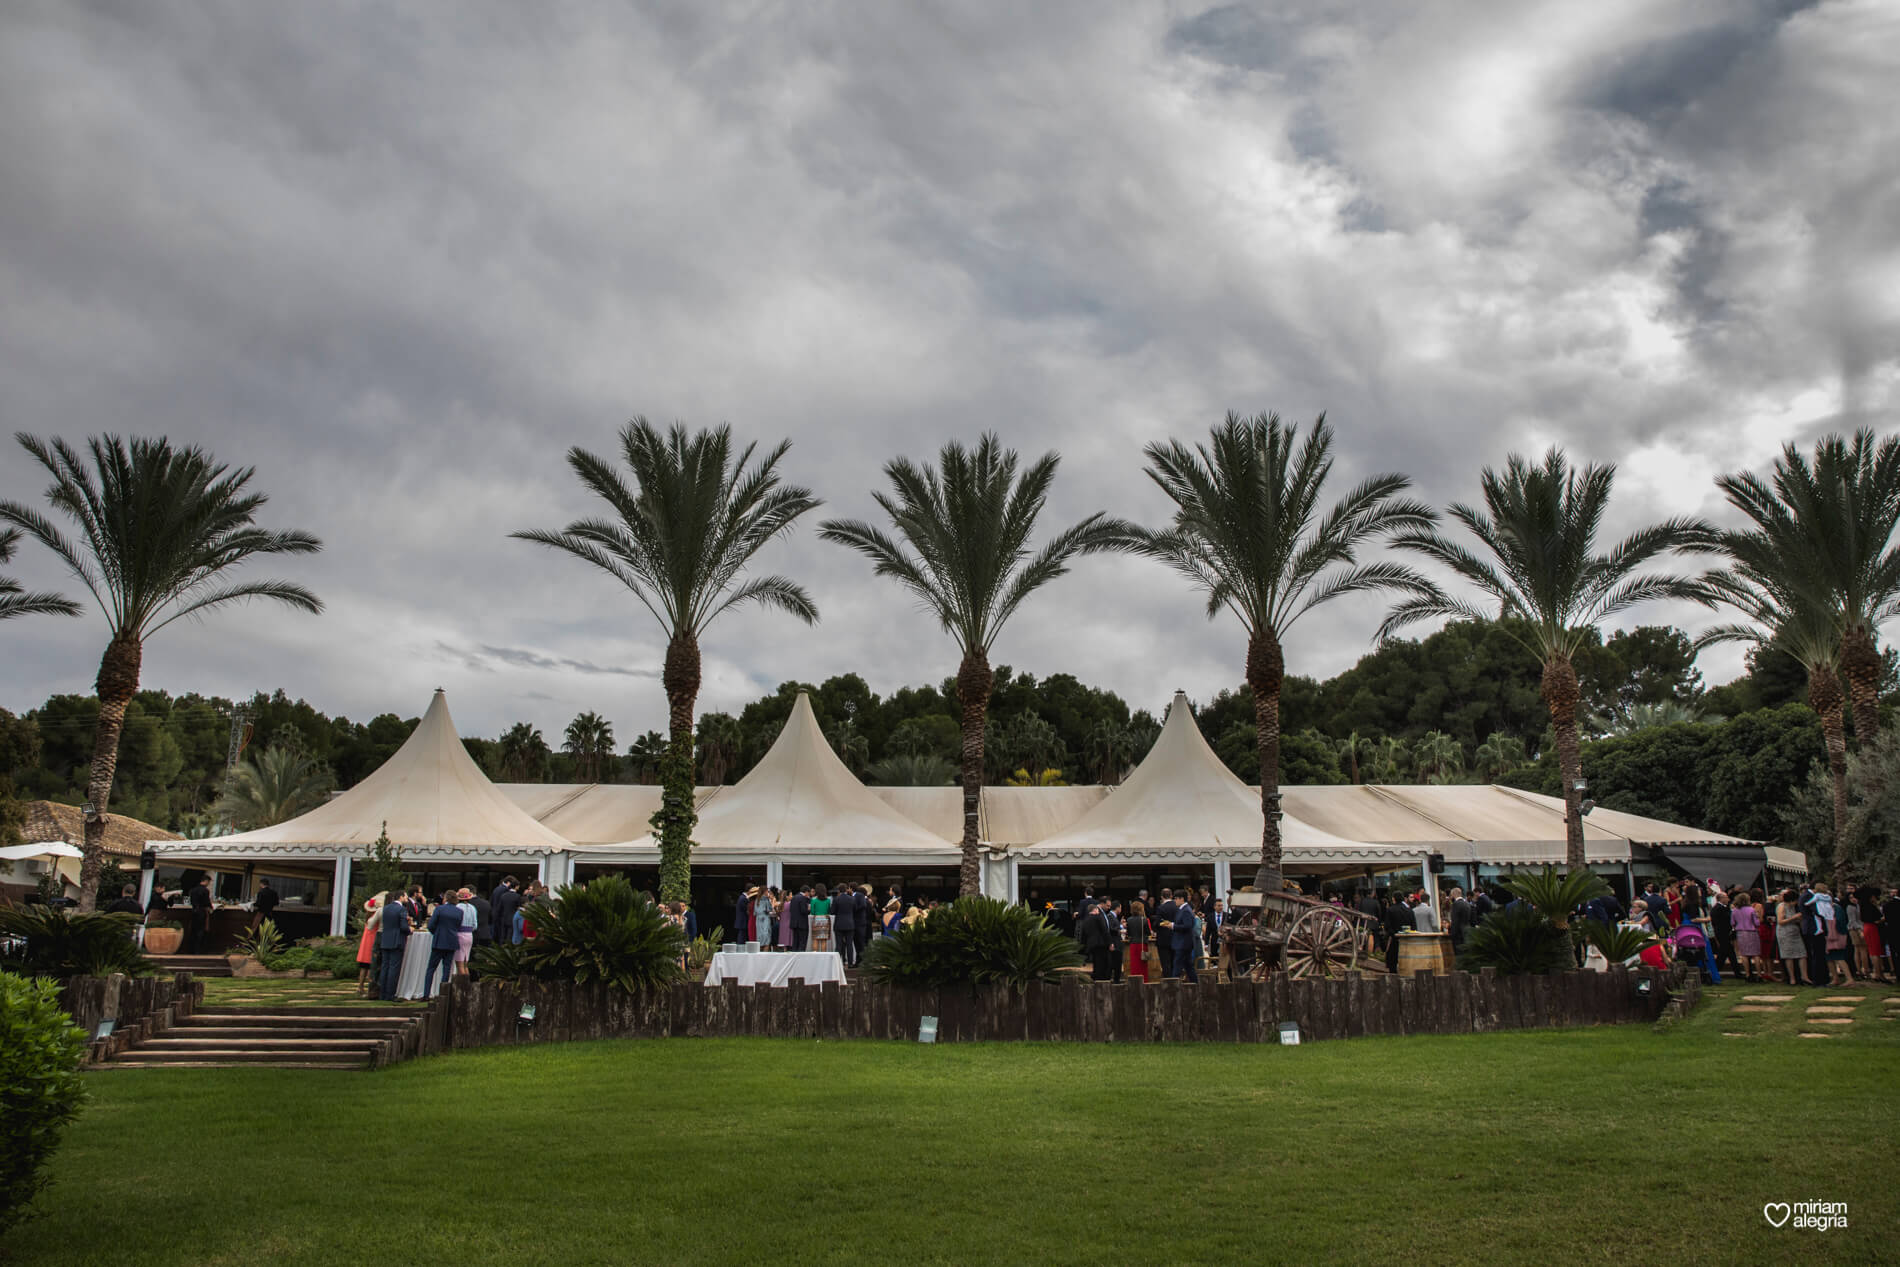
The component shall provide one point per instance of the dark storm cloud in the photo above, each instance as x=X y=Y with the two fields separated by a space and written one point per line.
x=401 y=260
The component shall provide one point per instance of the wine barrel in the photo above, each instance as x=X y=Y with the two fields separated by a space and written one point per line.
x=1425 y=952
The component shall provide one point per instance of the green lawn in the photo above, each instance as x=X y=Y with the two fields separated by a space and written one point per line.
x=1626 y=1145
x=284 y=992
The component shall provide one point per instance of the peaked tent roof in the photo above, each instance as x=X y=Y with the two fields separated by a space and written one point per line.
x=1182 y=802
x=431 y=794
x=800 y=801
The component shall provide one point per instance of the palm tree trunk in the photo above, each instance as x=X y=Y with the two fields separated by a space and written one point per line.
x=1860 y=665
x=1824 y=697
x=1560 y=697
x=675 y=819
x=974 y=680
x=118 y=682
x=1266 y=672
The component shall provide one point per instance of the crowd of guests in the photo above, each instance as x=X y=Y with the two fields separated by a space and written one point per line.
x=1145 y=939
x=813 y=917
x=457 y=921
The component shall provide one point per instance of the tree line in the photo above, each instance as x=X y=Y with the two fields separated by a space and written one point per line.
x=158 y=531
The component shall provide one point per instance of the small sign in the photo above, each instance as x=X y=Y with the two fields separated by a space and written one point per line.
x=927 y=1032
x=1289 y=1034
x=526 y=1015
x=105 y=1028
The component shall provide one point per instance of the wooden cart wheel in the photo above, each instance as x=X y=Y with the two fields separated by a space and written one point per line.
x=1321 y=943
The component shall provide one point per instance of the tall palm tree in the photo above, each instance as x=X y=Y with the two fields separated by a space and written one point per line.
x=273 y=787
x=721 y=739
x=15 y=601
x=1391 y=759
x=1830 y=523
x=648 y=754
x=962 y=548
x=1440 y=757
x=1785 y=613
x=160 y=532
x=1248 y=530
x=1539 y=529
x=1498 y=755
x=1109 y=747
x=912 y=769
x=680 y=537
x=522 y=753
x=1353 y=747
x=589 y=739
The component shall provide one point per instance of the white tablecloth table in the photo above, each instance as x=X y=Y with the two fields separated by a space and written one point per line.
x=415 y=967
x=776 y=969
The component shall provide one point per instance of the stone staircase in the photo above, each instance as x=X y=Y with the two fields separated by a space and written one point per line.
x=277 y=1037
x=197 y=965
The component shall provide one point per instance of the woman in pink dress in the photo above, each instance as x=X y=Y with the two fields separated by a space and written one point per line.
x=1745 y=918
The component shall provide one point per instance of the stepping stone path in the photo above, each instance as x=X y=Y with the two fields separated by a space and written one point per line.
x=1820 y=1036
x=1754 y=1009
x=1768 y=998
x=1845 y=998
x=1830 y=1020
x=1818 y=1010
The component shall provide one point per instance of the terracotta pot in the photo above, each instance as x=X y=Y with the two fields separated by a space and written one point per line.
x=163 y=941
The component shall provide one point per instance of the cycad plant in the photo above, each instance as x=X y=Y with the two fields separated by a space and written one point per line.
x=960 y=543
x=1538 y=561
x=1826 y=528
x=680 y=537
x=14 y=598
x=1516 y=942
x=603 y=931
x=1618 y=943
x=53 y=942
x=273 y=787
x=1557 y=893
x=1249 y=531
x=974 y=941
x=160 y=531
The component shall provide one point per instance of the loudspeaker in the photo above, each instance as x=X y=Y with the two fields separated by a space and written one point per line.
x=1438 y=864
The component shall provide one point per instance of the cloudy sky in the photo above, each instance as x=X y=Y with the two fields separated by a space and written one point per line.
x=400 y=258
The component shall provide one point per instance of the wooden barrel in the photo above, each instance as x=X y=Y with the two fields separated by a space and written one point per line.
x=1425 y=952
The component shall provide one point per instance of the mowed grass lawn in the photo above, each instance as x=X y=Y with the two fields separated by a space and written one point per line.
x=1623 y=1145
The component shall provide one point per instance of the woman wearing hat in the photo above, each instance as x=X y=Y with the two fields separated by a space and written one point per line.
x=366 y=945
x=464 y=940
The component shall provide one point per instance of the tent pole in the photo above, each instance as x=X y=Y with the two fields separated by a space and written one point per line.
x=340 y=897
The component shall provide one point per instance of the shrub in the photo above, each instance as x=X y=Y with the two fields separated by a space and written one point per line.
x=603 y=931
x=1619 y=944
x=40 y=1088
x=262 y=943
x=1557 y=895
x=59 y=944
x=504 y=962
x=1516 y=942
x=973 y=941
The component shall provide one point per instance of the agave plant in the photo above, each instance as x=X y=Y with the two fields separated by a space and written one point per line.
x=1557 y=894
x=973 y=941
x=1517 y=942
x=262 y=943
x=603 y=931
x=62 y=944
x=1619 y=943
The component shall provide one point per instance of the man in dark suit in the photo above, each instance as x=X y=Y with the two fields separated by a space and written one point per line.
x=1096 y=939
x=867 y=918
x=844 y=924
x=503 y=903
x=392 y=938
x=198 y=923
x=1397 y=919
x=1164 y=931
x=444 y=925
x=263 y=903
x=801 y=918
x=484 y=920
x=1461 y=917
x=1186 y=941
x=127 y=903
x=1216 y=920
x=1117 y=939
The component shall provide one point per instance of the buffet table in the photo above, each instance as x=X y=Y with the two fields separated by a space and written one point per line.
x=415 y=967
x=775 y=969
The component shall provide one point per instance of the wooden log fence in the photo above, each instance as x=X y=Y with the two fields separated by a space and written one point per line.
x=139 y=1007
x=489 y=1013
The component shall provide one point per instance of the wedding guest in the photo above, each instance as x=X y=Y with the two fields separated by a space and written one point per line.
x=1139 y=934
x=392 y=937
x=1745 y=917
x=366 y=944
x=1873 y=931
x=1788 y=940
x=465 y=940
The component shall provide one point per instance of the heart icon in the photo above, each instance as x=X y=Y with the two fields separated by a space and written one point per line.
x=1776 y=1212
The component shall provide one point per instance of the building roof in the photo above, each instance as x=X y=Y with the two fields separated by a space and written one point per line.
x=1183 y=802
x=800 y=802
x=49 y=821
x=430 y=793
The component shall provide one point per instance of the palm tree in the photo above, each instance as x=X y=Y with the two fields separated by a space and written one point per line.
x=1440 y=757
x=1785 y=613
x=1391 y=759
x=590 y=741
x=912 y=769
x=721 y=739
x=680 y=538
x=1109 y=747
x=851 y=746
x=15 y=601
x=1498 y=755
x=274 y=787
x=1539 y=528
x=1248 y=531
x=1829 y=526
x=962 y=548
x=522 y=753
x=1669 y=712
x=648 y=754
x=160 y=531
x=1352 y=747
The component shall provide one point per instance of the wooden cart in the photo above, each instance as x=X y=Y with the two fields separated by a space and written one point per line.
x=1302 y=936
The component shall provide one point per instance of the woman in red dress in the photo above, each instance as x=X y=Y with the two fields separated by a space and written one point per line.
x=1139 y=931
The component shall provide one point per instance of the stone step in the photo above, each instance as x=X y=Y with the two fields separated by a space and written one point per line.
x=230 y=1042
x=256 y=1033
x=278 y=1021
x=235 y=1064
x=368 y=1011
x=321 y=1058
x=196 y=965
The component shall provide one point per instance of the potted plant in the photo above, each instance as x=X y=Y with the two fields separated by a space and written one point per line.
x=163 y=937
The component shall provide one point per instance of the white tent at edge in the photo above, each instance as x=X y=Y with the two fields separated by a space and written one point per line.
x=799 y=804
x=1182 y=804
x=437 y=806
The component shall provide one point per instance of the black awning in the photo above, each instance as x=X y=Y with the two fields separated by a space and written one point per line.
x=1734 y=865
